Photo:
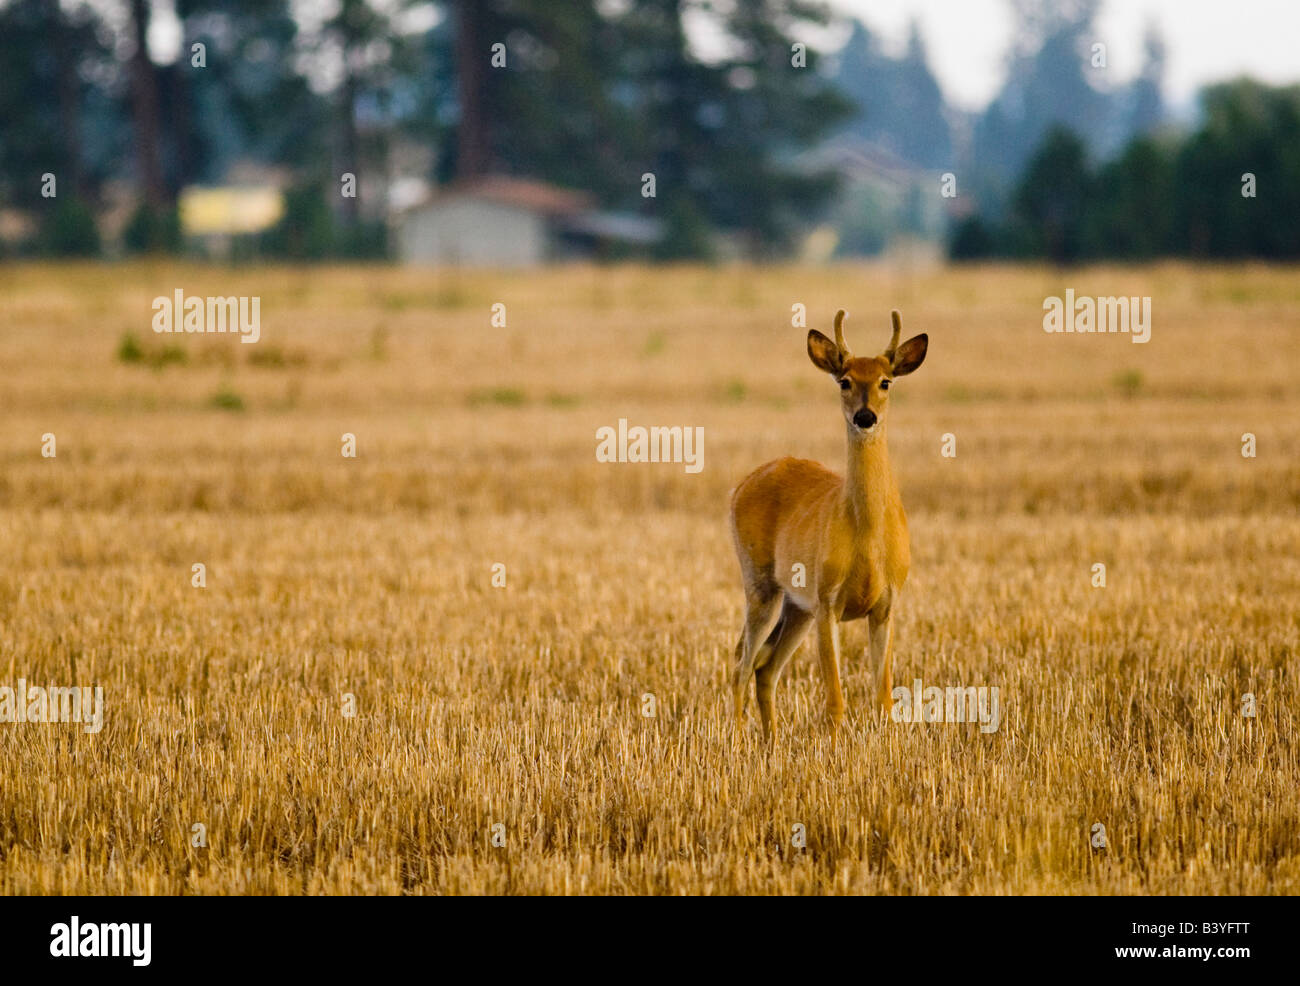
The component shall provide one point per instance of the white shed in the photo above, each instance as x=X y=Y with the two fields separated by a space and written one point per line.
x=489 y=222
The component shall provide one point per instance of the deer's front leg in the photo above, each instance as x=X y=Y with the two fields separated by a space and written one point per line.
x=828 y=653
x=882 y=657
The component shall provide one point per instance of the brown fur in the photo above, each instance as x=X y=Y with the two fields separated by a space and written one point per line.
x=848 y=534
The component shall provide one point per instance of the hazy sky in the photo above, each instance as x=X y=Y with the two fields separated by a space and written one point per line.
x=1206 y=40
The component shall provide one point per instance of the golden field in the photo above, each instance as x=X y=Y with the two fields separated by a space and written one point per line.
x=521 y=706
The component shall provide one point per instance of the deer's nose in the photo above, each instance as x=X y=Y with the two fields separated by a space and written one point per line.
x=865 y=418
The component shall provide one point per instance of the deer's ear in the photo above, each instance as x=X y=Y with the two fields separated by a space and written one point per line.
x=824 y=353
x=911 y=354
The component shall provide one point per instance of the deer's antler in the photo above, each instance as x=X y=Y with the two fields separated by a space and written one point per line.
x=839 y=333
x=898 y=331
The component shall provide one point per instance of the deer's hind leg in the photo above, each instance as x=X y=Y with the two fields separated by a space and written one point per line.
x=780 y=647
x=761 y=607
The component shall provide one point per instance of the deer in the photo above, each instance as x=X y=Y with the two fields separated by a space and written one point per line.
x=817 y=549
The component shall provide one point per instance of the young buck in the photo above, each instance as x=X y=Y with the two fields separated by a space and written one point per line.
x=816 y=549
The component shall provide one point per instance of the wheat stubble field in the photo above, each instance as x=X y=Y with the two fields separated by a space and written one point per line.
x=522 y=706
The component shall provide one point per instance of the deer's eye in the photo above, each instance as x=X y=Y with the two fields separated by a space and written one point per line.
x=884 y=384
x=844 y=383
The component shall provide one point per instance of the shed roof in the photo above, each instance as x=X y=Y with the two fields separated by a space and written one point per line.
x=523 y=193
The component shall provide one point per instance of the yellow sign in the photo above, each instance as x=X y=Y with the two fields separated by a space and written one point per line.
x=208 y=211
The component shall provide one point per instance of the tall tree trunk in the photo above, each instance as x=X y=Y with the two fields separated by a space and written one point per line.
x=177 y=80
x=349 y=151
x=473 y=152
x=69 y=98
x=144 y=108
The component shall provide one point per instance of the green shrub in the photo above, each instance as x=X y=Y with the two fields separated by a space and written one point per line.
x=226 y=399
x=153 y=230
x=128 y=350
x=70 y=230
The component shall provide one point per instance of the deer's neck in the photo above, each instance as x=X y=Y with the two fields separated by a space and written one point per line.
x=869 y=480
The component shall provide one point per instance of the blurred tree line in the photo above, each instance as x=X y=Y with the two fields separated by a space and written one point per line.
x=591 y=96
x=1230 y=189
x=1064 y=169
